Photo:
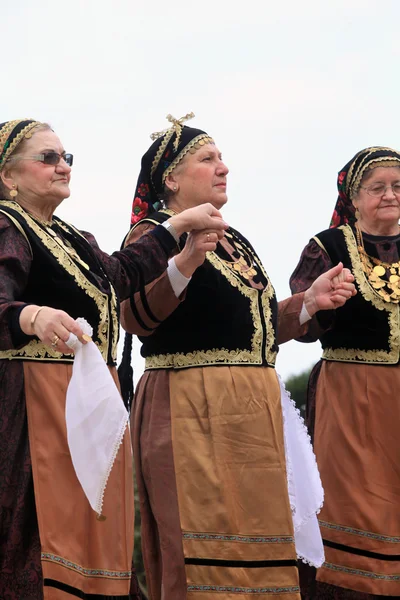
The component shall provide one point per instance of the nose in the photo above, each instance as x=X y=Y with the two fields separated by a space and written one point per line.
x=63 y=167
x=222 y=169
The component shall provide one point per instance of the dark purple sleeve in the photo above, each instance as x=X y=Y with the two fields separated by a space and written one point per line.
x=15 y=263
x=138 y=264
x=313 y=262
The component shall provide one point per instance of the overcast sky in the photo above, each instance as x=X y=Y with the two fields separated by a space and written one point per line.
x=289 y=91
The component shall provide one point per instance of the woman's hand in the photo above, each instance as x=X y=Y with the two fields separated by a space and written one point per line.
x=331 y=290
x=204 y=217
x=51 y=326
x=194 y=252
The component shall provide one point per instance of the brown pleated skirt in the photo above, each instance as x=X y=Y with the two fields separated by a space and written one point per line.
x=80 y=555
x=209 y=452
x=357 y=444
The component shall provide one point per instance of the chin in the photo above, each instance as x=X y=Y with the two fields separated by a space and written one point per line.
x=219 y=202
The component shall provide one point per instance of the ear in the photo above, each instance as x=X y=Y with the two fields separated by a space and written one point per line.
x=7 y=178
x=171 y=182
x=355 y=201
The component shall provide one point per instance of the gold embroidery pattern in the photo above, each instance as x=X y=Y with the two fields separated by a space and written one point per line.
x=18 y=226
x=25 y=132
x=47 y=556
x=320 y=244
x=35 y=350
x=361 y=573
x=370 y=295
x=192 y=145
x=113 y=301
x=100 y=299
x=222 y=355
x=389 y=161
x=160 y=151
x=367 y=534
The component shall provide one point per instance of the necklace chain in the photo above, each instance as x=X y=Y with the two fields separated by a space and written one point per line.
x=383 y=277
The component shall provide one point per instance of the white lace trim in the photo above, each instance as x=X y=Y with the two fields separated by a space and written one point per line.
x=306 y=495
x=103 y=484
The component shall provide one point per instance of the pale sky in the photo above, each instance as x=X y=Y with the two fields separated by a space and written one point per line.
x=289 y=91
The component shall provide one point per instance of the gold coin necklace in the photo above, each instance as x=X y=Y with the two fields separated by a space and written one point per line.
x=387 y=288
x=241 y=265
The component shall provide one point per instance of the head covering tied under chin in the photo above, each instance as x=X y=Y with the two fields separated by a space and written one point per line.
x=12 y=133
x=349 y=179
x=166 y=152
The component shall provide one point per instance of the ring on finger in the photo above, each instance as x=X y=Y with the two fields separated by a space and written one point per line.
x=55 y=340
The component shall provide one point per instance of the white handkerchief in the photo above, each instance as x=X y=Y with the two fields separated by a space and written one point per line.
x=96 y=418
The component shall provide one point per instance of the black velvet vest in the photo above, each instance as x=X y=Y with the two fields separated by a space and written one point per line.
x=59 y=279
x=366 y=328
x=223 y=320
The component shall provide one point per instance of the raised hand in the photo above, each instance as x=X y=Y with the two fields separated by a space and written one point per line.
x=194 y=253
x=331 y=290
x=203 y=217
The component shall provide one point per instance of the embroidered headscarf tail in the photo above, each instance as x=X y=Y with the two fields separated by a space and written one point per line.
x=12 y=133
x=170 y=146
x=349 y=179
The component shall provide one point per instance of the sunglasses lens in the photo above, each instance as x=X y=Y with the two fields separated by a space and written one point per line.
x=51 y=158
x=69 y=159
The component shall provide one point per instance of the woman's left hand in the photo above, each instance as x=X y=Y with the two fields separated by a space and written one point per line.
x=331 y=290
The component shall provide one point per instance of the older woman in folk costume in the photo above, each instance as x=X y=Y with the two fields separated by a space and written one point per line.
x=52 y=544
x=207 y=418
x=353 y=404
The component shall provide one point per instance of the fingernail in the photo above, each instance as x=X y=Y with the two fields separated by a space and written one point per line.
x=87 y=338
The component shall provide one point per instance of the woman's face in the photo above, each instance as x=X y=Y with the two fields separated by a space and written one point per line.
x=201 y=178
x=383 y=209
x=35 y=180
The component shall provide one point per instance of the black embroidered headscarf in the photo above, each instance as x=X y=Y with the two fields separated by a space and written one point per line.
x=349 y=179
x=166 y=152
x=11 y=134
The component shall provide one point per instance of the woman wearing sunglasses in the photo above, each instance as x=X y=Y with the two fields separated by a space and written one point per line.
x=51 y=543
x=353 y=405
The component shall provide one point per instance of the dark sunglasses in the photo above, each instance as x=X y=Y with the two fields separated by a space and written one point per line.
x=48 y=158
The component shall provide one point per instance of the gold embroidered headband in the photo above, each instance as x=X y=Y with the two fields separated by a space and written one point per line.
x=12 y=133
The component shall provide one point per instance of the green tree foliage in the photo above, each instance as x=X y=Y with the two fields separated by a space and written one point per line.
x=297 y=386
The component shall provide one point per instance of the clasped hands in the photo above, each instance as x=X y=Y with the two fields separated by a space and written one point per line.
x=205 y=228
x=331 y=290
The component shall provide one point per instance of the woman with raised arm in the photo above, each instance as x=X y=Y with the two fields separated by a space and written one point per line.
x=53 y=545
x=208 y=414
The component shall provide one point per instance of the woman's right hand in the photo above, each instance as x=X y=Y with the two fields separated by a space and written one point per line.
x=51 y=326
x=204 y=217
x=198 y=243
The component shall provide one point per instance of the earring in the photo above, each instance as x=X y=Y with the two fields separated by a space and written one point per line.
x=175 y=188
x=357 y=214
x=14 y=191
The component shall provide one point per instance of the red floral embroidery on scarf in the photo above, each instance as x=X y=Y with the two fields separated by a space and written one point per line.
x=335 y=222
x=341 y=177
x=143 y=189
x=139 y=210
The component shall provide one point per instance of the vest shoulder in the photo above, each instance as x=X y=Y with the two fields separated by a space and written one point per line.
x=330 y=235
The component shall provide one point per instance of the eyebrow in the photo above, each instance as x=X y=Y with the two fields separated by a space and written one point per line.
x=52 y=150
x=382 y=182
x=211 y=152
